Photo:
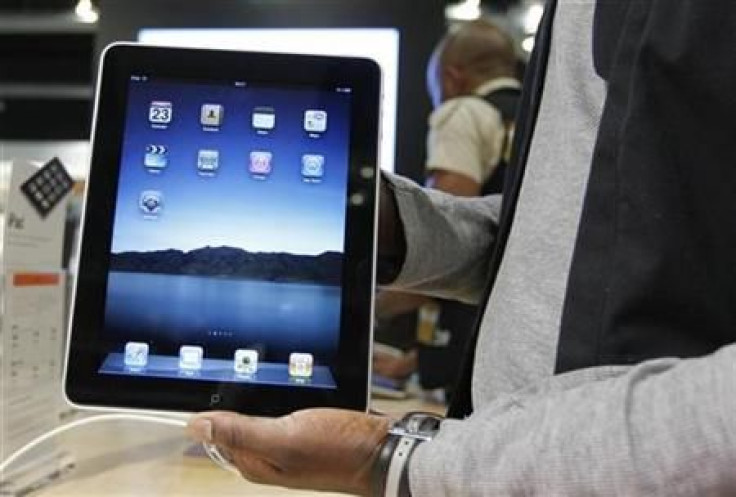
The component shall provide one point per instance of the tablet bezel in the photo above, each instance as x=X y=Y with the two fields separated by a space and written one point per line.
x=83 y=385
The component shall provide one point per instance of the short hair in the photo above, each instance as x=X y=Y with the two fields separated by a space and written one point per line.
x=481 y=48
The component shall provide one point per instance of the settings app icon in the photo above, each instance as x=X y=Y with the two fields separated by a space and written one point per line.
x=151 y=203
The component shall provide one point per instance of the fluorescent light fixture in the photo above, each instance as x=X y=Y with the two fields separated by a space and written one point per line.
x=379 y=44
x=468 y=10
x=86 y=12
x=532 y=17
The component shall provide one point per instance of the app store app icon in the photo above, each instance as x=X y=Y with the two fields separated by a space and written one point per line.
x=313 y=166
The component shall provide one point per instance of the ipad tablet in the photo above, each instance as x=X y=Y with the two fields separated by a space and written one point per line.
x=227 y=250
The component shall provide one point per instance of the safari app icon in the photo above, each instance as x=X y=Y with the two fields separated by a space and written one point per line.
x=136 y=354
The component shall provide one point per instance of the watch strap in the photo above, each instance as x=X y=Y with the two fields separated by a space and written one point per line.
x=398 y=468
x=390 y=471
x=380 y=467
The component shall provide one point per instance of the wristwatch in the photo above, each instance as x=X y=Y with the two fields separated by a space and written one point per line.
x=390 y=475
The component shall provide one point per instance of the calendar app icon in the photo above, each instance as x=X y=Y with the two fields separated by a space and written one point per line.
x=160 y=112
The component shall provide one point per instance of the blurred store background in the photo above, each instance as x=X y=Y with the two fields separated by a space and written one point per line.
x=48 y=52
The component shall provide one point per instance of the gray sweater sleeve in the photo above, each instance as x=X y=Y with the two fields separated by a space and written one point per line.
x=663 y=428
x=449 y=240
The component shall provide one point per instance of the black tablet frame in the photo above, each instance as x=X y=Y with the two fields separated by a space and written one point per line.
x=83 y=385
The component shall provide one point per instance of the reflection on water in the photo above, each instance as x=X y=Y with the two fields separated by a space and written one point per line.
x=224 y=313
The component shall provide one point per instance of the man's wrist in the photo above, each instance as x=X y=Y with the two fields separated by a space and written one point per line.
x=391 y=468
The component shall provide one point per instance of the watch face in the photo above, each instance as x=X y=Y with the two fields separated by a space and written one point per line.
x=421 y=425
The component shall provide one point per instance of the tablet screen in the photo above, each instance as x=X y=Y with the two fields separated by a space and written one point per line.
x=228 y=234
x=230 y=215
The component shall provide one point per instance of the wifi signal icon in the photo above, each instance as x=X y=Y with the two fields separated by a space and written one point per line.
x=156 y=158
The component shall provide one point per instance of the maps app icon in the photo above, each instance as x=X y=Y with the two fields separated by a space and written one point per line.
x=315 y=121
x=156 y=158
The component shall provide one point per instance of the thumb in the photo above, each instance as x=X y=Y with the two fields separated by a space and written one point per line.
x=200 y=428
x=229 y=430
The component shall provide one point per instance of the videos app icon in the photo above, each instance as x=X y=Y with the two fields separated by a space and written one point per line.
x=156 y=158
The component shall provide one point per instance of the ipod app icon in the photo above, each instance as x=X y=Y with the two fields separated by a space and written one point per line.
x=301 y=365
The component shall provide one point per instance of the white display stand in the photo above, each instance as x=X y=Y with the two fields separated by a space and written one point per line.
x=32 y=298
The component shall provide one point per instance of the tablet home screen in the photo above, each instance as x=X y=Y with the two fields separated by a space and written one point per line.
x=229 y=233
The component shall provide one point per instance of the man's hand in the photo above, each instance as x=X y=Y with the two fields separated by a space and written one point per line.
x=319 y=449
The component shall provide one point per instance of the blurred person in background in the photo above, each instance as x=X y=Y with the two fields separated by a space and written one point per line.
x=472 y=82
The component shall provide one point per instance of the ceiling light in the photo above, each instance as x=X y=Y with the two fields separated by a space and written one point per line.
x=528 y=44
x=532 y=17
x=463 y=11
x=86 y=12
